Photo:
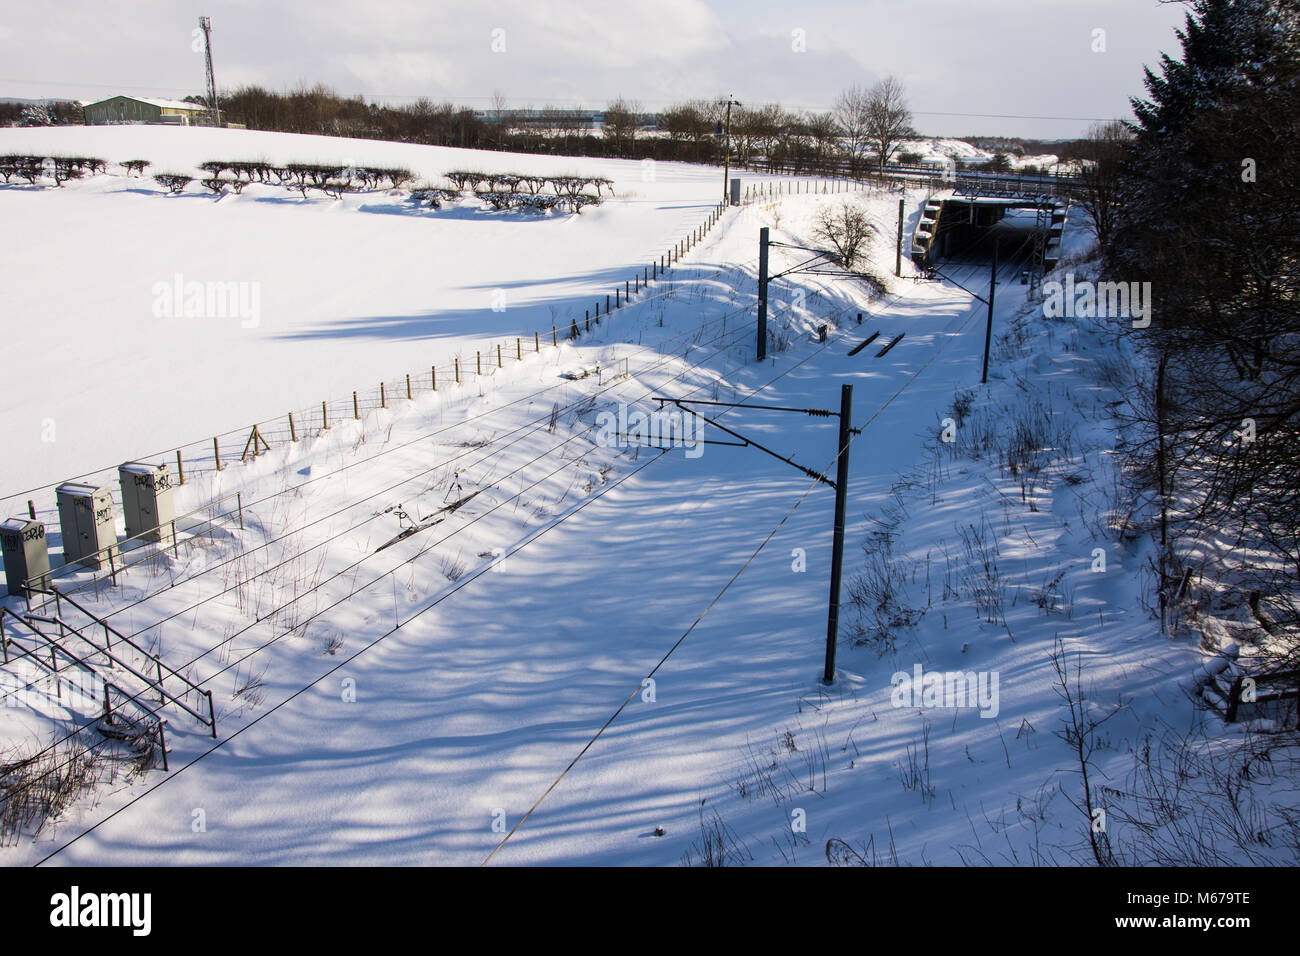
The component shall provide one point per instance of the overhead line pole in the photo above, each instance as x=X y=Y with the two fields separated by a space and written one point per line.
x=837 y=541
x=898 y=256
x=988 y=328
x=841 y=486
x=762 y=293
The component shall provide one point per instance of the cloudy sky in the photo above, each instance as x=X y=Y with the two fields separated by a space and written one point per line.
x=1044 y=59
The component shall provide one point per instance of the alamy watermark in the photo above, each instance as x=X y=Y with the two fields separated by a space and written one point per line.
x=131 y=911
x=179 y=299
x=75 y=689
x=1086 y=299
x=947 y=689
x=662 y=428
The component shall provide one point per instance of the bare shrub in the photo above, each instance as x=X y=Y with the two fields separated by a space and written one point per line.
x=718 y=844
x=174 y=183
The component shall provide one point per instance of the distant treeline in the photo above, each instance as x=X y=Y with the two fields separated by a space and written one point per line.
x=797 y=141
x=692 y=131
x=688 y=132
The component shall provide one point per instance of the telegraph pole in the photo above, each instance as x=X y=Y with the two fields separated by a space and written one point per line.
x=205 y=24
x=726 y=162
x=837 y=543
x=762 y=294
x=988 y=328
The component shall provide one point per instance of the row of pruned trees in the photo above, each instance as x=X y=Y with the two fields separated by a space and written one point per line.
x=506 y=190
x=527 y=182
x=31 y=169
x=331 y=179
x=501 y=190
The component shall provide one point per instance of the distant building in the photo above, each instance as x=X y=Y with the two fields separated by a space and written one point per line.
x=137 y=109
x=548 y=119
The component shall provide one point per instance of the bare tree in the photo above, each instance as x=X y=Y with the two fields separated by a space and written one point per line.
x=888 y=120
x=1102 y=152
x=851 y=114
x=823 y=133
x=498 y=104
x=847 y=229
x=620 y=123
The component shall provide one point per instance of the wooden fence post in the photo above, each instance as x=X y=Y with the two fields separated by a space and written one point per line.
x=457 y=369
x=180 y=471
x=216 y=452
x=408 y=386
x=356 y=411
x=324 y=417
x=293 y=432
x=433 y=377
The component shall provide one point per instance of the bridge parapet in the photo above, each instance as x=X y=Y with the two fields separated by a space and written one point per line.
x=1032 y=189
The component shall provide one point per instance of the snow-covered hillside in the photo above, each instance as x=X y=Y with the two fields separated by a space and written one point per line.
x=939 y=151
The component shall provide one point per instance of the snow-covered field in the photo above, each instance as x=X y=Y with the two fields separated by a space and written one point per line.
x=428 y=614
x=340 y=293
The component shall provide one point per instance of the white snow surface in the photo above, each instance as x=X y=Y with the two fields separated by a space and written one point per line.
x=349 y=291
x=534 y=612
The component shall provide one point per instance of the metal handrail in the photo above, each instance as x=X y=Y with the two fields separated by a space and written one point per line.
x=56 y=648
x=59 y=596
x=80 y=662
x=164 y=695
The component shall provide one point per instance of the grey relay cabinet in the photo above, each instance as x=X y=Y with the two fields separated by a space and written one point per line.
x=147 y=501
x=86 y=519
x=26 y=554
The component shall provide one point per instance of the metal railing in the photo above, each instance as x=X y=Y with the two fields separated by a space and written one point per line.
x=162 y=671
x=11 y=639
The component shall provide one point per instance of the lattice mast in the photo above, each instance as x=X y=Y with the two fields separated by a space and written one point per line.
x=205 y=24
x=1041 y=226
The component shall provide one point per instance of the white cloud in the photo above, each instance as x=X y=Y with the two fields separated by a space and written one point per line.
x=995 y=56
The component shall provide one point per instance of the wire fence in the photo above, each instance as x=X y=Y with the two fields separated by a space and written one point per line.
x=718 y=335
x=208 y=456
x=205 y=524
x=76 y=748
x=212 y=455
